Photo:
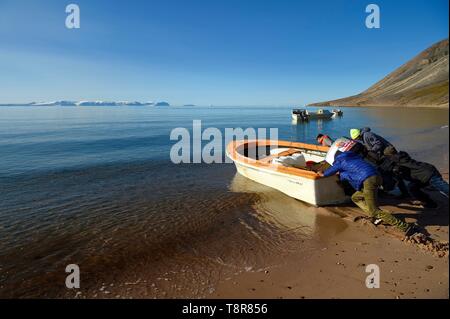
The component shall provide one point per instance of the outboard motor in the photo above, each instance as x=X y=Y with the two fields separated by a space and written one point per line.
x=304 y=115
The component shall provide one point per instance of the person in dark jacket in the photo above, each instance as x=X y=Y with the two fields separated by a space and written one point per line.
x=375 y=144
x=364 y=178
x=324 y=140
x=373 y=151
x=418 y=174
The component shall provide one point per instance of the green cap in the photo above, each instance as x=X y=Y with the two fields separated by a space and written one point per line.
x=355 y=133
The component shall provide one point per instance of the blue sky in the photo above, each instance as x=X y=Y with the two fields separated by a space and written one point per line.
x=221 y=52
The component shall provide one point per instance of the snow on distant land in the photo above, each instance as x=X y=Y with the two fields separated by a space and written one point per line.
x=91 y=103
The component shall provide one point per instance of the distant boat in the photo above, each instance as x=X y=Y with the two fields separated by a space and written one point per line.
x=302 y=115
x=286 y=166
x=337 y=112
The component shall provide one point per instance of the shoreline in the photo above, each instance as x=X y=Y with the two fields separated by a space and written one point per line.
x=337 y=268
x=333 y=267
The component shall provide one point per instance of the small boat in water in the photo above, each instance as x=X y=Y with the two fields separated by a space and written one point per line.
x=302 y=115
x=287 y=167
x=337 y=112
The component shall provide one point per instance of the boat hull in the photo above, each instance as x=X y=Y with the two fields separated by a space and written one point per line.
x=315 y=116
x=318 y=191
x=312 y=116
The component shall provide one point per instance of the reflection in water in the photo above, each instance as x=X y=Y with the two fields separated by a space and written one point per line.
x=306 y=131
x=288 y=214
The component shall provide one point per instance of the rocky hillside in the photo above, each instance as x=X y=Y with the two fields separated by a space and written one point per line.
x=423 y=81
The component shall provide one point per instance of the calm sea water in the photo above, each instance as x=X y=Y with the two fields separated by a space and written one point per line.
x=95 y=186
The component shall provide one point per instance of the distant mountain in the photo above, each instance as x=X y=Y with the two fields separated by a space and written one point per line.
x=423 y=81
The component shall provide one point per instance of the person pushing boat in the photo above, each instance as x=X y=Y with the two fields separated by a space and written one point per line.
x=324 y=140
x=418 y=174
x=365 y=179
x=374 y=143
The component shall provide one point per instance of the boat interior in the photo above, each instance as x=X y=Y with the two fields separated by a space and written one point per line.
x=297 y=156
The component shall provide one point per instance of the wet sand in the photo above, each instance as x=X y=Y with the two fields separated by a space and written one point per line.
x=337 y=269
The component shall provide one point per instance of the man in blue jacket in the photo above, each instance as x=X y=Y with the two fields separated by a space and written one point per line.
x=365 y=180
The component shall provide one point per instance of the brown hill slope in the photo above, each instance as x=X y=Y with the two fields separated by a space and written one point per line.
x=423 y=81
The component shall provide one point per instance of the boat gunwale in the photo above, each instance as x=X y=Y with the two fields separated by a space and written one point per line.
x=233 y=146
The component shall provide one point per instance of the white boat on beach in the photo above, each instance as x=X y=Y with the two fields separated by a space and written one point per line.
x=302 y=115
x=286 y=166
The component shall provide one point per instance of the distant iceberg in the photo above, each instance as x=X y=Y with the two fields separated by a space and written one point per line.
x=94 y=103
x=91 y=103
x=109 y=103
x=136 y=103
x=162 y=103
x=54 y=103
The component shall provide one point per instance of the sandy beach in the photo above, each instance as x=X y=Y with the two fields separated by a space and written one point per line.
x=337 y=270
